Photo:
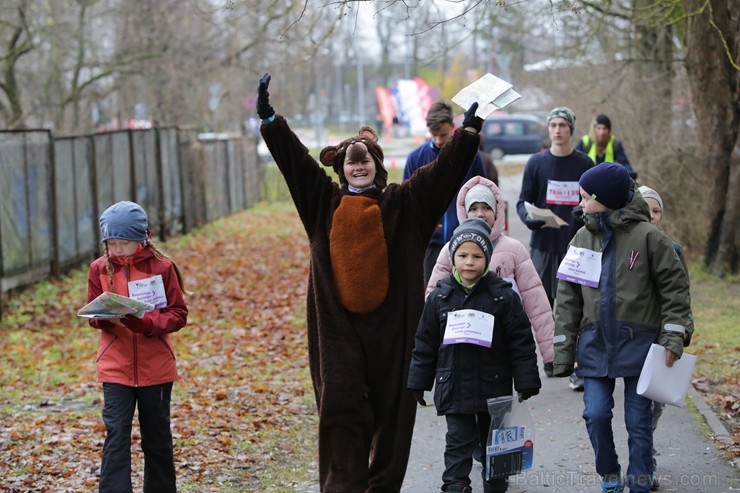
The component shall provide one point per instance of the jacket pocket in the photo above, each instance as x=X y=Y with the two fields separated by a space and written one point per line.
x=105 y=349
x=444 y=383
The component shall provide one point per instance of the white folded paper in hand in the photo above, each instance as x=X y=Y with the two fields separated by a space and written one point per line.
x=663 y=384
x=551 y=219
x=490 y=92
x=111 y=305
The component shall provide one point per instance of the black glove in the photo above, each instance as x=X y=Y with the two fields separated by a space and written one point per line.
x=527 y=393
x=577 y=213
x=533 y=224
x=471 y=120
x=138 y=325
x=419 y=396
x=264 y=110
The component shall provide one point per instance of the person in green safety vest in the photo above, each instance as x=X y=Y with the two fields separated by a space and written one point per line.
x=601 y=145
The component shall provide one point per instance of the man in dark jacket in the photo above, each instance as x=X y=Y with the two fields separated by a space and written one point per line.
x=441 y=126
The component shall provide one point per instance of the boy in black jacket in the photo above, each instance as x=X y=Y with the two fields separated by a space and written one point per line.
x=473 y=339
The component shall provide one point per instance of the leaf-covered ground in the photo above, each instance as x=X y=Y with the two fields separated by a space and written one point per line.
x=243 y=404
x=243 y=412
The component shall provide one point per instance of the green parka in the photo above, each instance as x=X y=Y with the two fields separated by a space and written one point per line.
x=608 y=330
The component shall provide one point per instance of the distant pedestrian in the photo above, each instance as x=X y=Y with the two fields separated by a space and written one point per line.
x=136 y=360
x=624 y=290
x=465 y=374
x=655 y=204
x=365 y=291
x=441 y=128
x=550 y=181
x=601 y=145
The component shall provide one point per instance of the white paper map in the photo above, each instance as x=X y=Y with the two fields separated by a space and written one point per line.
x=111 y=305
x=490 y=92
x=551 y=219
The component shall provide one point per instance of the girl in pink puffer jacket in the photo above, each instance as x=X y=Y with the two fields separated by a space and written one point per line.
x=480 y=197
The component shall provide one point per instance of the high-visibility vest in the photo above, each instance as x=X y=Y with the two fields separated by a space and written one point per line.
x=608 y=153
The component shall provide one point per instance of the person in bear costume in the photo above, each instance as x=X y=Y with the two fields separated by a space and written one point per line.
x=365 y=289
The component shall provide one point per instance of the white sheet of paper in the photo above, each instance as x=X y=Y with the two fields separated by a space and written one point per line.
x=490 y=92
x=581 y=266
x=551 y=219
x=663 y=384
x=469 y=327
x=150 y=290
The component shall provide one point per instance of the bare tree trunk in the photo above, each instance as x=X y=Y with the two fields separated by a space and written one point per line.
x=712 y=65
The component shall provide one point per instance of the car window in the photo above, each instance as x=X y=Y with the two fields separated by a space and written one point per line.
x=493 y=128
x=514 y=128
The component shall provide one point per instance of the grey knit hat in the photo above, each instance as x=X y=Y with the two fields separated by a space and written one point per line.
x=475 y=230
x=564 y=113
x=480 y=193
x=124 y=221
x=649 y=193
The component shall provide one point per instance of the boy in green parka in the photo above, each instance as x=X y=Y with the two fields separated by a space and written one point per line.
x=624 y=289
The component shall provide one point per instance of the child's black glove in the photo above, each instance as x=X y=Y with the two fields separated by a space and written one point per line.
x=527 y=393
x=264 y=110
x=471 y=120
x=138 y=325
x=533 y=224
x=419 y=396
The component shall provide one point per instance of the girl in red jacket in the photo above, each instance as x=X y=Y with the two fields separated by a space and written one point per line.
x=136 y=361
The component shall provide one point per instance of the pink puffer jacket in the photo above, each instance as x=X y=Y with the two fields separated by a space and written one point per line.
x=511 y=261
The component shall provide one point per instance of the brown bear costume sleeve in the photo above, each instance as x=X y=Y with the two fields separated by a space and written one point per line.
x=361 y=336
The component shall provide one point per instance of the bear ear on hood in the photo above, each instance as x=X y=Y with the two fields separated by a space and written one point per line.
x=327 y=155
x=369 y=134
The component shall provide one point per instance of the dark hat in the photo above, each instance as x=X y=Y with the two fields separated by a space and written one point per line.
x=366 y=141
x=607 y=183
x=124 y=221
x=564 y=113
x=475 y=230
x=603 y=120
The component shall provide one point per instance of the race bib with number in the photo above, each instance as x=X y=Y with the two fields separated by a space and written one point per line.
x=563 y=193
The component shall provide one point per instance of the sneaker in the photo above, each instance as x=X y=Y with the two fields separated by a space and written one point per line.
x=548 y=370
x=575 y=382
x=456 y=488
x=654 y=483
x=613 y=485
x=500 y=485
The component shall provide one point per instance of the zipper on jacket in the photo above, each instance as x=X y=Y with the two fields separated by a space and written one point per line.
x=134 y=340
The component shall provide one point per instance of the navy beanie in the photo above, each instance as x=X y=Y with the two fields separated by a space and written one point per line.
x=124 y=221
x=607 y=183
x=475 y=230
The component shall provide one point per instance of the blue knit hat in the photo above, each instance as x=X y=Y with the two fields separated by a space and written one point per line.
x=476 y=230
x=124 y=221
x=607 y=183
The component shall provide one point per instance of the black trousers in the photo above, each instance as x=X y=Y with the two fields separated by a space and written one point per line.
x=464 y=433
x=156 y=438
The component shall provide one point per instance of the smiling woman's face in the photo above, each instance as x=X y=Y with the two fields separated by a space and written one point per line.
x=359 y=169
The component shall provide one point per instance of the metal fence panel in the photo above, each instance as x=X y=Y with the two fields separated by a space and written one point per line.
x=76 y=224
x=26 y=228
